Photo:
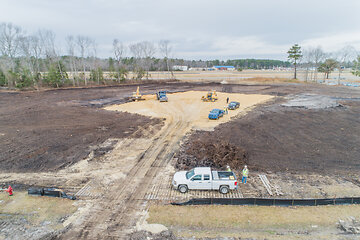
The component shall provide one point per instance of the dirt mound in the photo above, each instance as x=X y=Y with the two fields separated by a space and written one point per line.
x=209 y=153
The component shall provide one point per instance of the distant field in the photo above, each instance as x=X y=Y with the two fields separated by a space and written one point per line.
x=251 y=76
x=246 y=76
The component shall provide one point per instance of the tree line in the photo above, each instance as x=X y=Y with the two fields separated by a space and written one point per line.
x=253 y=63
x=315 y=60
x=35 y=60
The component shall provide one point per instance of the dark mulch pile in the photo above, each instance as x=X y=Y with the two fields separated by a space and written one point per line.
x=208 y=153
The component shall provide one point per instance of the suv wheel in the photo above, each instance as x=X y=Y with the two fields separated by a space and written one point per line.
x=183 y=188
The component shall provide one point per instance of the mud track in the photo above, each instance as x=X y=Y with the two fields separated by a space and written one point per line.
x=116 y=217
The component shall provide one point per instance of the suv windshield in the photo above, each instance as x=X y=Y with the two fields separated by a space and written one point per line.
x=190 y=173
x=214 y=111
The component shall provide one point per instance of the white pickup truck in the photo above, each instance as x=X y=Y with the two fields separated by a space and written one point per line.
x=203 y=178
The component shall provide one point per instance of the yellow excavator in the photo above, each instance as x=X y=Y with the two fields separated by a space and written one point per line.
x=137 y=96
x=211 y=96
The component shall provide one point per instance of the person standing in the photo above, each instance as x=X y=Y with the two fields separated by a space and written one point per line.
x=245 y=174
x=228 y=168
x=225 y=110
x=227 y=100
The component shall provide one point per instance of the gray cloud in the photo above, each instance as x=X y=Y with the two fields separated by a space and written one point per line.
x=197 y=29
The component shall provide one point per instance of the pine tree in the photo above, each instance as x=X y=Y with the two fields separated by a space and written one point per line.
x=294 y=56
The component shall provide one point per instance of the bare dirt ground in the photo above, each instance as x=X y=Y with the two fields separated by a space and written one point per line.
x=118 y=170
x=281 y=139
x=128 y=194
x=49 y=130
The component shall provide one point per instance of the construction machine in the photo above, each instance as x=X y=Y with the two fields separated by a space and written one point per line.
x=161 y=96
x=211 y=96
x=137 y=96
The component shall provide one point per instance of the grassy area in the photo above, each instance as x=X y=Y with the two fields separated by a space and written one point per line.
x=35 y=209
x=230 y=221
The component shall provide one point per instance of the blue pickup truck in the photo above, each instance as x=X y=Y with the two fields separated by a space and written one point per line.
x=216 y=113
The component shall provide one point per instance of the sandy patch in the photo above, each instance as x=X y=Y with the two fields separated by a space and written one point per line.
x=189 y=108
x=143 y=225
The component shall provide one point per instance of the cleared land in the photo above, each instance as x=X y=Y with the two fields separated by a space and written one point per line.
x=288 y=139
x=189 y=107
x=112 y=150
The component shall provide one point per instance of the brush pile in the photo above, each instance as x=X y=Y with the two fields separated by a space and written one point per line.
x=211 y=154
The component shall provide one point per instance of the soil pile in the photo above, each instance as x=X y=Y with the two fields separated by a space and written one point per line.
x=209 y=153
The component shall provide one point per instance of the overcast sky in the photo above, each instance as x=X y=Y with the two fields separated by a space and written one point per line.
x=197 y=29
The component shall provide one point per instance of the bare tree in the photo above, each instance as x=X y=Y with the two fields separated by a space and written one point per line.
x=25 y=43
x=31 y=49
x=83 y=44
x=95 y=63
x=9 y=39
x=9 y=44
x=119 y=51
x=136 y=51
x=70 y=42
x=165 y=49
x=36 y=51
x=342 y=56
x=308 y=58
x=319 y=56
x=47 y=39
x=148 y=51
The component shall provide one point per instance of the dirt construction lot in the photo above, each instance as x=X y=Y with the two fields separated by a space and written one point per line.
x=118 y=157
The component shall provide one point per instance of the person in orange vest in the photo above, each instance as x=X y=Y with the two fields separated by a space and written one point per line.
x=245 y=174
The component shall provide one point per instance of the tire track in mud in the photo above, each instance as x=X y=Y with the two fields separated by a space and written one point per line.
x=117 y=216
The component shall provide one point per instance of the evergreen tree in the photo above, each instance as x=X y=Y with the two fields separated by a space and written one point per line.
x=3 y=81
x=356 y=68
x=294 y=56
x=328 y=66
x=56 y=76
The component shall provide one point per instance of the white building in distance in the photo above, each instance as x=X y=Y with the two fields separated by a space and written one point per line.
x=180 y=68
